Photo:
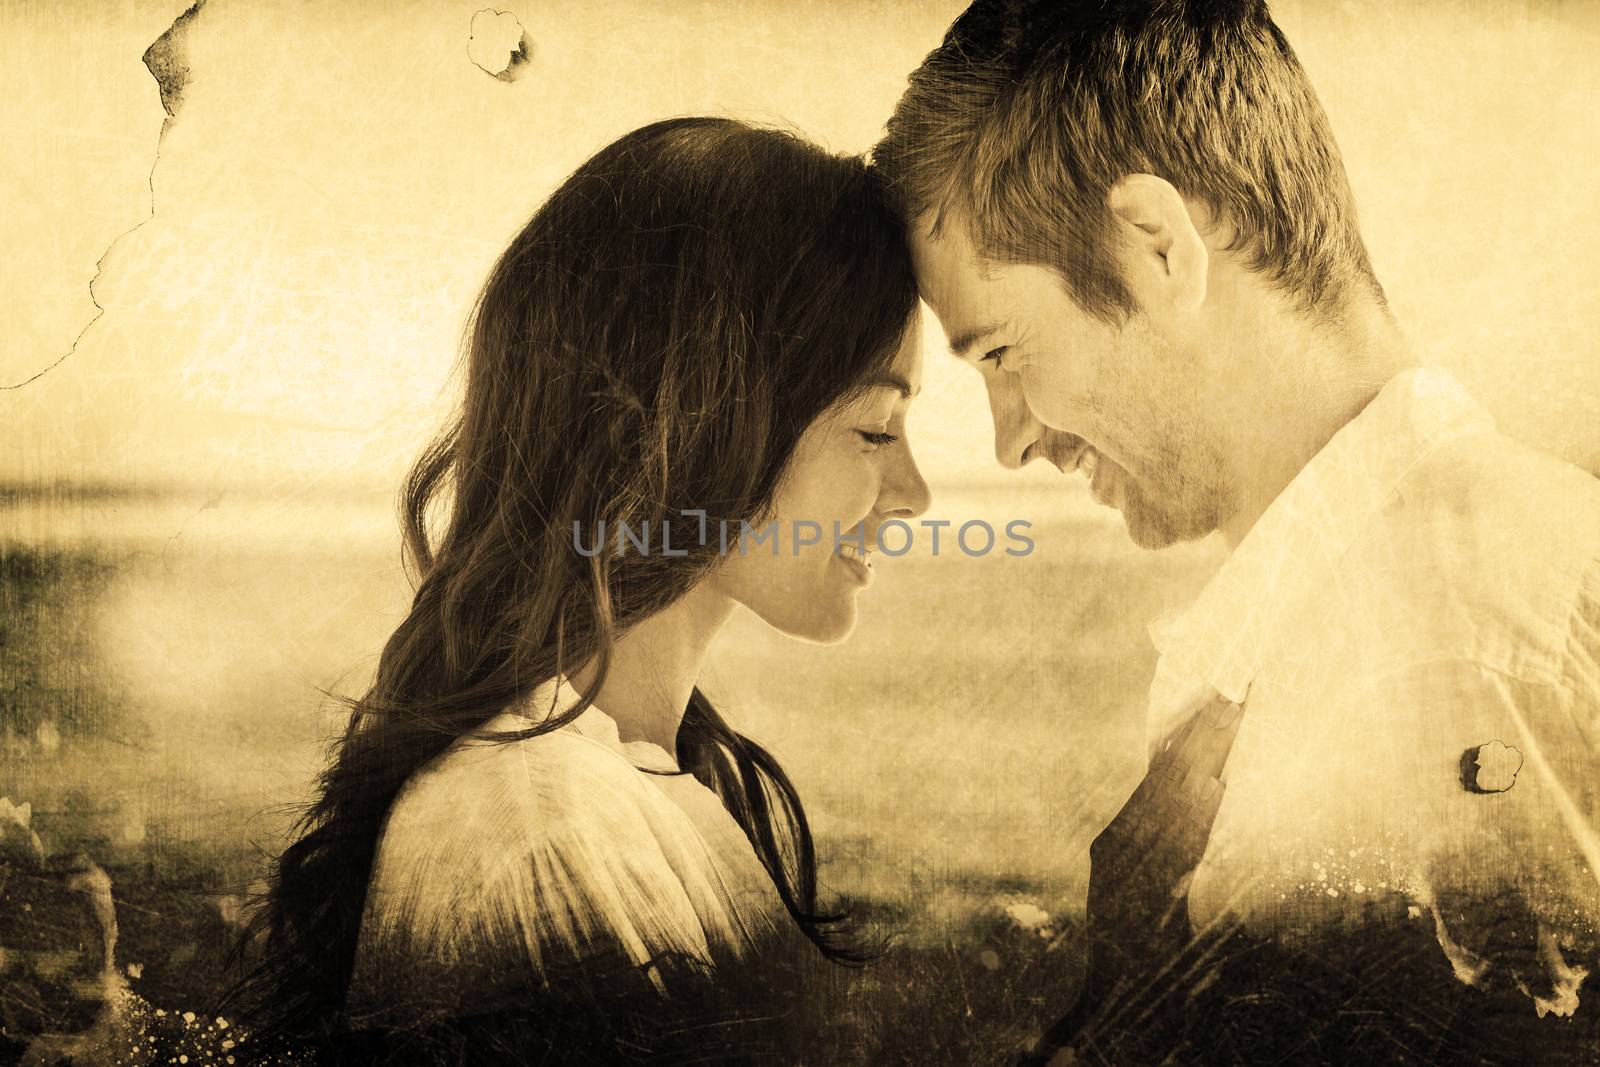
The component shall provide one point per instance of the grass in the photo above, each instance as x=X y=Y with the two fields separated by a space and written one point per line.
x=159 y=709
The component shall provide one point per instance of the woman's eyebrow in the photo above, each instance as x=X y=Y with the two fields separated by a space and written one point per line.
x=891 y=380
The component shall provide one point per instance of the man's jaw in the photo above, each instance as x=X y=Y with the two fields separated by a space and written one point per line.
x=1111 y=486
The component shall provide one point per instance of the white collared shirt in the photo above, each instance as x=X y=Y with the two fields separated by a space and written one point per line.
x=1423 y=589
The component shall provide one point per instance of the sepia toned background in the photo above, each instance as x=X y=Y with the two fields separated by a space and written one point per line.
x=227 y=330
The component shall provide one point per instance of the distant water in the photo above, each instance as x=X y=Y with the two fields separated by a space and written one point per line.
x=275 y=523
x=977 y=729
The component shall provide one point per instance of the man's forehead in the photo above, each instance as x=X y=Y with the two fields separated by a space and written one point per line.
x=957 y=283
x=908 y=360
x=945 y=239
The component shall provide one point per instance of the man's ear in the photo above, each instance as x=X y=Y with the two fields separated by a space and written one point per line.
x=1165 y=260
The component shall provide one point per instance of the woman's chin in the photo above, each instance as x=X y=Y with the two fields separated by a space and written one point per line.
x=830 y=625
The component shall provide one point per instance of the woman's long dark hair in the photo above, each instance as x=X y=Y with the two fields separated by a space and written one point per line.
x=655 y=340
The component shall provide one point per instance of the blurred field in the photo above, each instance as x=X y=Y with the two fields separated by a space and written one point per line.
x=159 y=708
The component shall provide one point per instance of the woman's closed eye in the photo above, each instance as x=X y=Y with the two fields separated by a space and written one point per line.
x=878 y=437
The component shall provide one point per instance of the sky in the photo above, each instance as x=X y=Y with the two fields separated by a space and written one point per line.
x=280 y=273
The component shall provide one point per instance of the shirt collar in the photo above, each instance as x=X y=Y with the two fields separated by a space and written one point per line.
x=1222 y=638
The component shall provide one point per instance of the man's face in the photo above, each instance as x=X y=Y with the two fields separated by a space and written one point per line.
x=1125 y=403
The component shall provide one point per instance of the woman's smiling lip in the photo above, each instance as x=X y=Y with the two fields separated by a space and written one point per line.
x=859 y=565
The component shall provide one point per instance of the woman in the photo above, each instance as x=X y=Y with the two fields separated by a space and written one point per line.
x=710 y=329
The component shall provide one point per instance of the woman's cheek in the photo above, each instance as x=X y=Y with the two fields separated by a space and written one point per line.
x=855 y=489
x=828 y=485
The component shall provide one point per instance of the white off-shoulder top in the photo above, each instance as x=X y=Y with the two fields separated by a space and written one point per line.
x=544 y=852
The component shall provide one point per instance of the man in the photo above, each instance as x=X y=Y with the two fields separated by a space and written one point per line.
x=1131 y=217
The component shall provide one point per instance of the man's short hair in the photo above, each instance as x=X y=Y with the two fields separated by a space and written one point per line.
x=1027 y=114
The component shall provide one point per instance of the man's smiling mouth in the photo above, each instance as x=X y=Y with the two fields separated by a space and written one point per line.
x=1072 y=454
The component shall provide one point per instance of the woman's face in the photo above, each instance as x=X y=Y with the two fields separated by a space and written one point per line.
x=851 y=471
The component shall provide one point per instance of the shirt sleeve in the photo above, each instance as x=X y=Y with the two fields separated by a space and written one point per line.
x=1582 y=661
x=1504 y=850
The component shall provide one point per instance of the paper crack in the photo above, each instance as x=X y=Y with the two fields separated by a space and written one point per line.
x=167 y=60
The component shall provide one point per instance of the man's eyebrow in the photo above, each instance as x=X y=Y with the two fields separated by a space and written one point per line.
x=891 y=380
x=963 y=343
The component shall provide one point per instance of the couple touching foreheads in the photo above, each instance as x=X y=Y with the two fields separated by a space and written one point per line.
x=1376 y=725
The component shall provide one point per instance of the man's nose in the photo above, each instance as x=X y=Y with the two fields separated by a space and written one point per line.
x=1016 y=430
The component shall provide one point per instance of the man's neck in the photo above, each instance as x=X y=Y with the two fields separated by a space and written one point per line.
x=1309 y=381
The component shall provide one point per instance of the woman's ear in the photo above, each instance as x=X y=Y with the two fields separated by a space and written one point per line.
x=1165 y=260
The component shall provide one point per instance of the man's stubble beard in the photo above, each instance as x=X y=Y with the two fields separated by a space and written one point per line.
x=1184 y=494
x=1154 y=527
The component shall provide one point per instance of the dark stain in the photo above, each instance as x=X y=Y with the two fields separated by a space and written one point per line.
x=167 y=60
x=1472 y=775
x=519 y=60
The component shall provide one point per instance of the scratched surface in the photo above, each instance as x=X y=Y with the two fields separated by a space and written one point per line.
x=247 y=238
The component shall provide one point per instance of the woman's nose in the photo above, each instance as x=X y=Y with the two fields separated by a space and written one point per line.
x=905 y=492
